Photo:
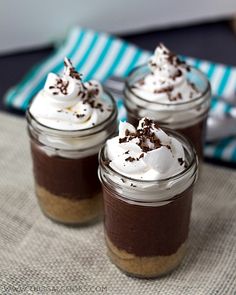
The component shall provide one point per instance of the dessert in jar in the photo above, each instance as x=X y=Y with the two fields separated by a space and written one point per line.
x=147 y=176
x=171 y=92
x=68 y=121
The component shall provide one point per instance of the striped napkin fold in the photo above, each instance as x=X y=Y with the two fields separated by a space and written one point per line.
x=99 y=56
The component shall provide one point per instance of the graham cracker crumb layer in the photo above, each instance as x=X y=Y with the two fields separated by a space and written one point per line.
x=144 y=267
x=69 y=211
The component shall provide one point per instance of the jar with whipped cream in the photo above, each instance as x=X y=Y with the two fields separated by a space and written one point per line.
x=68 y=121
x=147 y=175
x=171 y=92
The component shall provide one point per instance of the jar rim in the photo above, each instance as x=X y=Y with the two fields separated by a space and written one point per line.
x=194 y=161
x=113 y=113
x=200 y=96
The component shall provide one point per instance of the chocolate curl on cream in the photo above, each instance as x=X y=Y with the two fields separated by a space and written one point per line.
x=167 y=81
x=68 y=103
x=146 y=153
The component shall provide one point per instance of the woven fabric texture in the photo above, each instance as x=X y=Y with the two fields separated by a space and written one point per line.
x=38 y=256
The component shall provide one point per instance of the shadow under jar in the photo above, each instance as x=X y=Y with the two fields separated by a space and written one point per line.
x=146 y=223
x=65 y=167
x=188 y=117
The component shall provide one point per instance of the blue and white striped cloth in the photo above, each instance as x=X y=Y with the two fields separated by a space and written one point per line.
x=99 y=55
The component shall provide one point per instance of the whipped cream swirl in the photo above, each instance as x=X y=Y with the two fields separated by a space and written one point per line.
x=145 y=153
x=67 y=103
x=167 y=81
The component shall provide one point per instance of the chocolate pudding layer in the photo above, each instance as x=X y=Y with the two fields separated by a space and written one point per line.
x=147 y=240
x=64 y=192
x=65 y=177
x=156 y=230
x=196 y=134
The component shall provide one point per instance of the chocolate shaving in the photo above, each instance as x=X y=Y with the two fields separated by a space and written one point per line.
x=145 y=136
x=164 y=89
x=121 y=140
x=177 y=97
x=72 y=71
x=83 y=96
x=156 y=125
x=130 y=159
x=80 y=115
x=107 y=162
x=141 y=82
x=174 y=60
x=177 y=74
x=193 y=86
x=182 y=162
x=91 y=98
x=61 y=86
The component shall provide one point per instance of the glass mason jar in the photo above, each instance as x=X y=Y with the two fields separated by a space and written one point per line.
x=146 y=223
x=65 y=167
x=188 y=117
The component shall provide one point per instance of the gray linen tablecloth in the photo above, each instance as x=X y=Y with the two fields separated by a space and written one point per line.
x=38 y=256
